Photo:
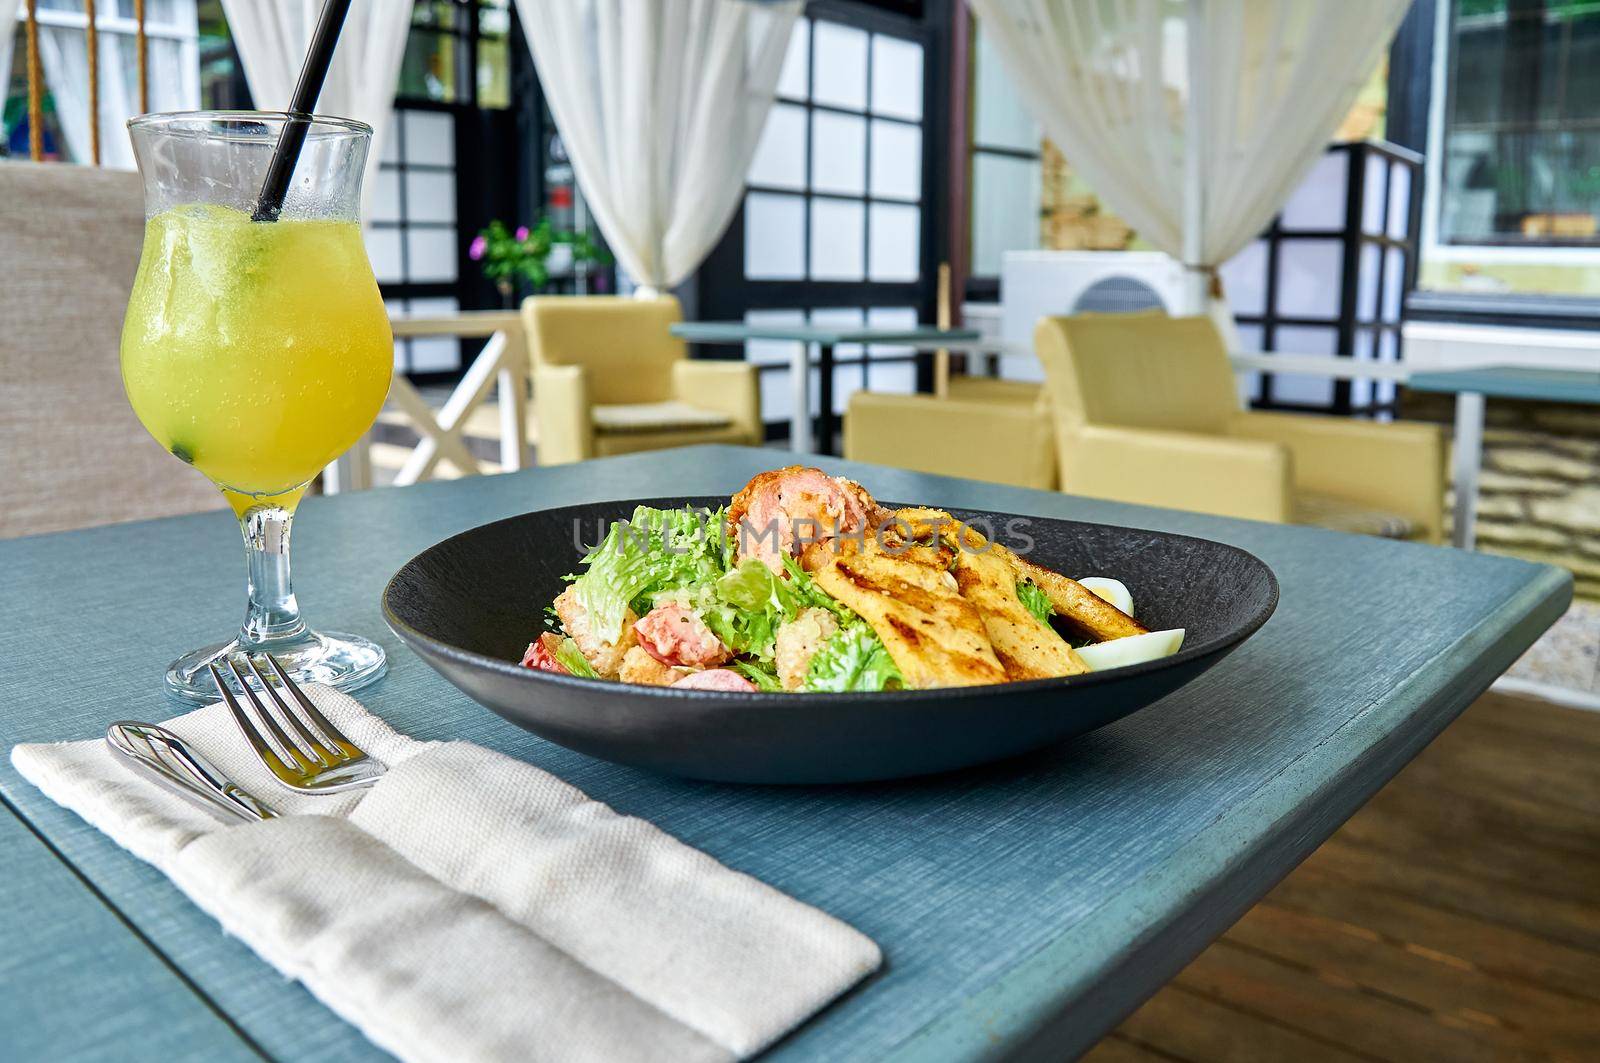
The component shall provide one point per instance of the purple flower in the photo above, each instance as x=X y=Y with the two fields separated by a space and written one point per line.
x=477 y=249
x=522 y=232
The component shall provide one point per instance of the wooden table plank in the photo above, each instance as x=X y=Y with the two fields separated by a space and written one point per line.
x=1487 y=945
x=1198 y=1029
x=1347 y=954
x=1368 y=948
x=1026 y=905
x=78 y=983
x=1333 y=1011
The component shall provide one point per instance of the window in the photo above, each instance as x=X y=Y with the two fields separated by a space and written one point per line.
x=1329 y=277
x=1005 y=182
x=222 y=82
x=563 y=205
x=835 y=187
x=171 y=32
x=413 y=239
x=458 y=52
x=1520 y=142
x=454 y=77
x=835 y=219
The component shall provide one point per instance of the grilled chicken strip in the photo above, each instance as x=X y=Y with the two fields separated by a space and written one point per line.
x=1027 y=649
x=1083 y=609
x=934 y=635
x=1085 y=612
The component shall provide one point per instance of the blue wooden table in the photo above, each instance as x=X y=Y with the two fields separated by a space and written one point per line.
x=1023 y=908
x=1472 y=387
x=826 y=338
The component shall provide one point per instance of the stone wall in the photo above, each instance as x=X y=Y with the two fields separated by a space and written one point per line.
x=1539 y=495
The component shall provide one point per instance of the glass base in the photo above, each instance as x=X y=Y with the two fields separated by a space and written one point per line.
x=348 y=662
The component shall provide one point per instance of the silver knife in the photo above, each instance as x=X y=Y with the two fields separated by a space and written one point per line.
x=158 y=754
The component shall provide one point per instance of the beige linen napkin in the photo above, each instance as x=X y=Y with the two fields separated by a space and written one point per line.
x=473 y=907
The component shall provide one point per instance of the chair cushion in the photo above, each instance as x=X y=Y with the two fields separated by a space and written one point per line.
x=1335 y=514
x=609 y=444
x=655 y=417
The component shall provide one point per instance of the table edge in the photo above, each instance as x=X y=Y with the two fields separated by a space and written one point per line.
x=1481 y=380
x=735 y=332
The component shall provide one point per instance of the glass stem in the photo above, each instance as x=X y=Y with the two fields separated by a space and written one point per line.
x=273 y=614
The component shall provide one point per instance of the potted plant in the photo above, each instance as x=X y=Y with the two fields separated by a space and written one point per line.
x=525 y=252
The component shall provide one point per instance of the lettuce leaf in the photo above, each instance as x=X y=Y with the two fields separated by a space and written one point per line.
x=854 y=658
x=809 y=595
x=745 y=608
x=571 y=658
x=764 y=679
x=1036 y=602
x=654 y=550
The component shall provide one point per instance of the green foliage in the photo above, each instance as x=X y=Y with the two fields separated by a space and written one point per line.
x=506 y=255
x=808 y=594
x=854 y=658
x=655 y=550
x=572 y=659
x=759 y=673
x=1035 y=601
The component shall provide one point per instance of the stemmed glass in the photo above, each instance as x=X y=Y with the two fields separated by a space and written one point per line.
x=257 y=351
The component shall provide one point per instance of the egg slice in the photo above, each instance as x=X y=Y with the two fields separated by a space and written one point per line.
x=1109 y=590
x=1135 y=649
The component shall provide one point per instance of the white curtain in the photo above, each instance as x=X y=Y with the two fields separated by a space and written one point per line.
x=660 y=106
x=1193 y=119
x=63 y=54
x=272 y=37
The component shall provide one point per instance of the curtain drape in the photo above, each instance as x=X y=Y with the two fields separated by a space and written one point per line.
x=63 y=55
x=272 y=37
x=1192 y=119
x=660 y=106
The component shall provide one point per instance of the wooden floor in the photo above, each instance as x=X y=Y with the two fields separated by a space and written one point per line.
x=1455 y=917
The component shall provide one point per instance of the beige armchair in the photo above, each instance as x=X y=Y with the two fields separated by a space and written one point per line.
x=994 y=430
x=75 y=453
x=608 y=378
x=1146 y=410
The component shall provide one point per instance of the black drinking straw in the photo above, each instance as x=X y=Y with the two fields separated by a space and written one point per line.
x=301 y=107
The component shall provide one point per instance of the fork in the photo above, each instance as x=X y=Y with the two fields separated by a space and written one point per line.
x=318 y=760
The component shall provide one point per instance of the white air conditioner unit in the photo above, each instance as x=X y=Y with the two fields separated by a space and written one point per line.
x=1035 y=284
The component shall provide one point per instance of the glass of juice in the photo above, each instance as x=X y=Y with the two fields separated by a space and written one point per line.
x=257 y=351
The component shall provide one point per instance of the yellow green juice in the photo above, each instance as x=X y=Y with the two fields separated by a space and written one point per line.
x=256 y=352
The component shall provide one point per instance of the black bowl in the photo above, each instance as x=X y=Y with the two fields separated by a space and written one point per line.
x=471 y=604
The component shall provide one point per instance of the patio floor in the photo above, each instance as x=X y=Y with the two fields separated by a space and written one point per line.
x=1456 y=916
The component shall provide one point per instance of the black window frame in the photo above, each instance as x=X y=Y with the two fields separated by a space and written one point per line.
x=1410 y=95
x=982 y=287
x=496 y=169
x=1349 y=321
x=721 y=291
x=1518 y=80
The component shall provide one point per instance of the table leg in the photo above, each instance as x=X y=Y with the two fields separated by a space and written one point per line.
x=800 y=414
x=827 y=424
x=1468 y=459
x=350 y=471
x=512 y=385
